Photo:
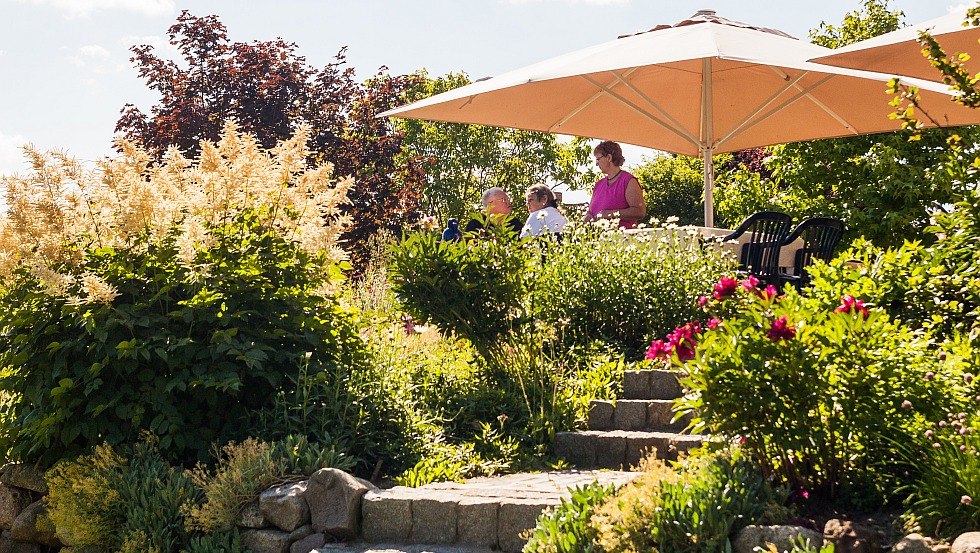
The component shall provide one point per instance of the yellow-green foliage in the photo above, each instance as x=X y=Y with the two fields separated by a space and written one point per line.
x=83 y=502
x=623 y=520
x=243 y=470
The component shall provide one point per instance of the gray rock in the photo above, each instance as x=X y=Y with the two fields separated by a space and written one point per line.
x=12 y=502
x=334 y=498
x=636 y=385
x=27 y=477
x=434 y=520
x=600 y=414
x=848 y=537
x=913 y=543
x=251 y=517
x=308 y=544
x=782 y=537
x=386 y=520
x=577 y=448
x=8 y=545
x=266 y=541
x=514 y=517
x=967 y=543
x=285 y=507
x=476 y=522
x=301 y=532
x=630 y=414
x=33 y=525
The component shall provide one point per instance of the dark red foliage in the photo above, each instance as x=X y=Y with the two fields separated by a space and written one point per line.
x=752 y=159
x=270 y=90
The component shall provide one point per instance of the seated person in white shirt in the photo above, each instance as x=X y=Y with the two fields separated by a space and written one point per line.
x=544 y=215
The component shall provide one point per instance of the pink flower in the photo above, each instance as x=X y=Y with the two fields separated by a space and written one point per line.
x=750 y=283
x=714 y=323
x=769 y=293
x=930 y=375
x=850 y=304
x=906 y=404
x=726 y=287
x=702 y=301
x=781 y=330
x=658 y=350
x=966 y=500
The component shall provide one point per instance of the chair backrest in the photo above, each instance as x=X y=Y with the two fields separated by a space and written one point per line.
x=820 y=236
x=767 y=230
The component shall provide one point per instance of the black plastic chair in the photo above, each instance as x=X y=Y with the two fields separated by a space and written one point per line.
x=820 y=235
x=760 y=255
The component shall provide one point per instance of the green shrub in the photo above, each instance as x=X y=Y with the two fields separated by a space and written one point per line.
x=620 y=289
x=185 y=357
x=696 y=509
x=473 y=288
x=567 y=528
x=673 y=186
x=856 y=377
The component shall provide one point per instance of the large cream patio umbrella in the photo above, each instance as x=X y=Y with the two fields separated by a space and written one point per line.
x=899 y=52
x=704 y=86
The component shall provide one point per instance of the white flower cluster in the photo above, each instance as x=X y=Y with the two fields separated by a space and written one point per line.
x=61 y=209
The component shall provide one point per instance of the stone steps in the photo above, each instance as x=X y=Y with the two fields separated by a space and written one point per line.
x=652 y=415
x=356 y=547
x=488 y=513
x=620 y=449
x=624 y=431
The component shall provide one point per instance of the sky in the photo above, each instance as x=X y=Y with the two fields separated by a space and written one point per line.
x=65 y=71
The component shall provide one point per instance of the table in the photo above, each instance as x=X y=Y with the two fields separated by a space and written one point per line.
x=787 y=254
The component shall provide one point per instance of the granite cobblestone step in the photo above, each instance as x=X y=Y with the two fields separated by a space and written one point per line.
x=651 y=384
x=653 y=415
x=489 y=513
x=621 y=449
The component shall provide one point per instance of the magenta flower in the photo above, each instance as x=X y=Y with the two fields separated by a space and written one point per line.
x=781 y=330
x=658 y=350
x=769 y=293
x=750 y=283
x=726 y=287
x=714 y=323
x=702 y=301
x=850 y=304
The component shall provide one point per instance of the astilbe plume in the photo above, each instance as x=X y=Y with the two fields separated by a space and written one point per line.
x=61 y=209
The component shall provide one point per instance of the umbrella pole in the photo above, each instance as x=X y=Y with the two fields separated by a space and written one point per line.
x=709 y=185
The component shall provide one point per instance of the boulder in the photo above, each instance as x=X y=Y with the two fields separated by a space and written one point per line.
x=251 y=517
x=334 y=498
x=300 y=533
x=284 y=506
x=308 y=544
x=848 y=537
x=33 y=525
x=967 y=543
x=8 y=545
x=942 y=548
x=27 y=477
x=266 y=541
x=12 y=502
x=913 y=543
x=783 y=537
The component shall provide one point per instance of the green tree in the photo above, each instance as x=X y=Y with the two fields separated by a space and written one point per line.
x=461 y=161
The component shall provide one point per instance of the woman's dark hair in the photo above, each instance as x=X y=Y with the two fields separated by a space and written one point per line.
x=542 y=192
x=608 y=147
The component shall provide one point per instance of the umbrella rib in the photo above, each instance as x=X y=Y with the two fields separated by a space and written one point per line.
x=581 y=106
x=638 y=109
x=779 y=108
x=823 y=106
x=738 y=126
x=655 y=106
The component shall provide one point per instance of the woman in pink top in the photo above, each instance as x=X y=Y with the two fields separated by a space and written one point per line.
x=618 y=195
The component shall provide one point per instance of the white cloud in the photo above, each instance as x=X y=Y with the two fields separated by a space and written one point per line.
x=84 y=8
x=94 y=59
x=160 y=44
x=11 y=155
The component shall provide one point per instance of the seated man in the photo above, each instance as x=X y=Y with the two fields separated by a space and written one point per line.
x=496 y=211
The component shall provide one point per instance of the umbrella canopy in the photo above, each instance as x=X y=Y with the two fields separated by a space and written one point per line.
x=704 y=86
x=899 y=52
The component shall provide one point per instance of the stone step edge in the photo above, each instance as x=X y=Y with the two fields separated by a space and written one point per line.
x=655 y=415
x=651 y=384
x=621 y=449
x=364 y=547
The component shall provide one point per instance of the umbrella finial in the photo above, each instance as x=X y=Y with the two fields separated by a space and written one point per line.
x=705 y=12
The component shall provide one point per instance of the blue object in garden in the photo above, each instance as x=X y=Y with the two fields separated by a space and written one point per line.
x=452 y=232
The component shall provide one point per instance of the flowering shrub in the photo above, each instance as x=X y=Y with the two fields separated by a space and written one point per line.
x=816 y=394
x=177 y=298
